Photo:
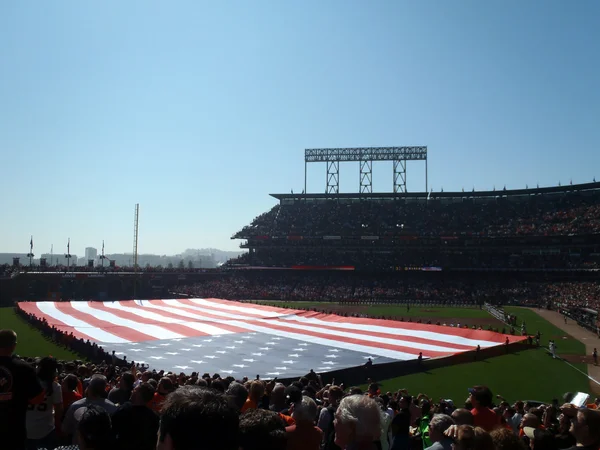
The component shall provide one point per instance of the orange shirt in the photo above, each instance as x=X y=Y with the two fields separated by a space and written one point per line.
x=69 y=398
x=250 y=404
x=303 y=437
x=157 y=402
x=289 y=420
x=485 y=418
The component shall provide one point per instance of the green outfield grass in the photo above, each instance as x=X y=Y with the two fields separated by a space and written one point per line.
x=391 y=310
x=528 y=375
x=30 y=340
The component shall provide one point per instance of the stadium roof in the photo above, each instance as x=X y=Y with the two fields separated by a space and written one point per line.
x=466 y=194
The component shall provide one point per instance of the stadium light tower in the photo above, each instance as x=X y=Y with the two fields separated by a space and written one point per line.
x=102 y=256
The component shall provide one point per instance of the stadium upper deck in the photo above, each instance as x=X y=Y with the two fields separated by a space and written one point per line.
x=557 y=227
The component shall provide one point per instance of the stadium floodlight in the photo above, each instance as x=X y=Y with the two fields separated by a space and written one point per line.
x=365 y=157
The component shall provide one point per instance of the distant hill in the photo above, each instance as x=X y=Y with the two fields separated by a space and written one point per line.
x=221 y=256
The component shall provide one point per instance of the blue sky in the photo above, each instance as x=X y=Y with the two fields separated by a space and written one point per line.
x=198 y=111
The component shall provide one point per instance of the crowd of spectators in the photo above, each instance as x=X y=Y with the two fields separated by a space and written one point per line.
x=71 y=405
x=274 y=285
x=548 y=215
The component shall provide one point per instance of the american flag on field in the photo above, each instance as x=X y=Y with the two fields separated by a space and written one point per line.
x=244 y=339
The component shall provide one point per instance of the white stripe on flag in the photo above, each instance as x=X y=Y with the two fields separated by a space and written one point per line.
x=151 y=330
x=205 y=328
x=321 y=341
x=100 y=335
x=240 y=309
x=362 y=337
x=401 y=332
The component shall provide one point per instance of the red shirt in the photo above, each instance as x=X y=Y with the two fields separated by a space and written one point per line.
x=485 y=418
x=69 y=398
x=303 y=437
x=157 y=401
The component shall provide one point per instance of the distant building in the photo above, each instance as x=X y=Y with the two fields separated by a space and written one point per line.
x=91 y=253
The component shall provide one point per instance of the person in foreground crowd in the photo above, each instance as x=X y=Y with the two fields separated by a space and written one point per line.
x=261 y=429
x=358 y=423
x=94 y=431
x=194 y=417
x=95 y=393
x=304 y=435
x=19 y=387
x=437 y=426
x=134 y=424
x=43 y=418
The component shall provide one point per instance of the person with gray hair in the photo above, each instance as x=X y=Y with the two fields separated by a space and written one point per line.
x=277 y=398
x=304 y=435
x=358 y=423
x=238 y=394
x=437 y=425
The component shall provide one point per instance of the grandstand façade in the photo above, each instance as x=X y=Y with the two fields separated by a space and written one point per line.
x=541 y=229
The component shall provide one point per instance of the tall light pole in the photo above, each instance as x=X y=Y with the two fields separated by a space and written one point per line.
x=102 y=257
x=68 y=255
x=30 y=255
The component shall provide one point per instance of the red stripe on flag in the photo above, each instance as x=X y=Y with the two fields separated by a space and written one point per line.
x=32 y=308
x=255 y=306
x=282 y=325
x=173 y=327
x=120 y=331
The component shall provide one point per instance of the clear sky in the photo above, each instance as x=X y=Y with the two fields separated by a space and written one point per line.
x=198 y=110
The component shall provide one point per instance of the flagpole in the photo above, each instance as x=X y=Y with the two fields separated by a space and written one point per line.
x=30 y=254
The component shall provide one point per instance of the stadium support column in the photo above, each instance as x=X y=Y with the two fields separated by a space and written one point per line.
x=305 y=169
x=366 y=177
x=399 y=176
x=426 y=187
x=333 y=177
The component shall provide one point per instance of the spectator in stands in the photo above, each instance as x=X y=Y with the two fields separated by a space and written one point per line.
x=505 y=439
x=401 y=425
x=260 y=429
x=94 y=431
x=585 y=427
x=304 y=435
x=470 y=438
x=358 y=423
x=95 y=393
x=481 y=399
x=277 y=398
x=438 y=424
x=19 y=387
x=134 y=424
x=462 y=416
x=327 y=417
x=165 y=387
x=255 y=395
x=69 y=390
x=196 y=417
x=238 y=393
x=540 y=439
x=121 y=394
x=43 y=418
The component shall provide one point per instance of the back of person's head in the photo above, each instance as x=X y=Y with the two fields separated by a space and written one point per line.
x=193 y=414
x=257 y=390
x=363 y=414
x=46 y=372
x=540 y=439
x=94 y=430
x=165 y=385
x=143 y=393
x=127 y=380
x=305 y=411
x=8 y=340
x=462 y=416
x=262 y=430
x=482 y=395
x=586 y=427
x=473 y=438
x=97 y=386
x=335 y=394
x=71 y=381
x=238 y=394
x=440 y=423
x=505 y=439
